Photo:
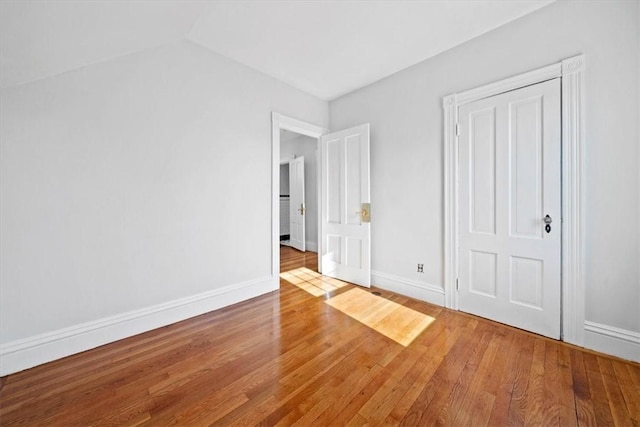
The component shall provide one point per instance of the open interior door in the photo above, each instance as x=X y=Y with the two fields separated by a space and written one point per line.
x=297 y=206
x=345 y=206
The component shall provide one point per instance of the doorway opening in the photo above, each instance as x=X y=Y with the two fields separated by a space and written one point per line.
x=342 y=236
x=295 y=161
x=298 y=191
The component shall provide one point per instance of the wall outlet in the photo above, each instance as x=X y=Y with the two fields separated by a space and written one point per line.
x=420 y=268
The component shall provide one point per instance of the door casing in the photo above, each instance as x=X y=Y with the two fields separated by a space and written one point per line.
x=571 y=71
x=281 y=122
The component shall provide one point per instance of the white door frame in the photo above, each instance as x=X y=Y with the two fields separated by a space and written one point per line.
x=280 y=122
x=571 y=71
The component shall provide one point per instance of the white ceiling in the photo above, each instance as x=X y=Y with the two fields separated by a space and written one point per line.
x=325 y=48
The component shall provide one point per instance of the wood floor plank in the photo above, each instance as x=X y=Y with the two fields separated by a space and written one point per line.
x=584 y=409
x=599 y=397
x=563 y=395
x=629 y=390
x=288 y=357
x=432 y=399
x=518 y=403
x=423 y=372
x=476 y=403
x=453 y=404
x=503 y=388
x=342 y=394
x=617 y=404
x=316 y=392
x=379 y=406
x=534 y=412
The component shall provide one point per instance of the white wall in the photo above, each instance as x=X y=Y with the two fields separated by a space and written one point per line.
x=405 y=113
x=638 y=133
x=135 y=182
x=306 y=146
x=284 y=180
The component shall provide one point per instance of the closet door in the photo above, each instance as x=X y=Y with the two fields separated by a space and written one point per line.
x=510 y=226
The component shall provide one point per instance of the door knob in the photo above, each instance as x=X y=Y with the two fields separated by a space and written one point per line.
x=547 y=219
x=364 y=212
x=301 y=209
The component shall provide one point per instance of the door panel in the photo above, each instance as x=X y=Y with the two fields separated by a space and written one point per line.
x=509 y=157
x=483 y=267
x=526 y=167
x=526 y=281
x=297 y=205
x=346 y=251
x=482 y=165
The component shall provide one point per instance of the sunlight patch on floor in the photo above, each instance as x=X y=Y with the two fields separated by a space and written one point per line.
x=312 y=281
x=391 y=319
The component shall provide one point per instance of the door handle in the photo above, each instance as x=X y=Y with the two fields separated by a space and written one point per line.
x=301 y=209
x=364 y=212
x=547 y=220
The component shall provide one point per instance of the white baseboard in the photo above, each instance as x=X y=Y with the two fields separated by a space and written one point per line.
x=411 y=288
x=614 y=341
x=32 y=351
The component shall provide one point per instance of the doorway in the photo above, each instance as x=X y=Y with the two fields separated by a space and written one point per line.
x=298 y=191
x=571 y=74
x=292 y=129
x=342 y=164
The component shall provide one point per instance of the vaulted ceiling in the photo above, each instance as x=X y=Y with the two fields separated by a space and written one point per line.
x=325 y=48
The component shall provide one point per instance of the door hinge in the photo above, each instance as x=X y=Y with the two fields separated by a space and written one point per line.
x=457 y=129
x=457 y=284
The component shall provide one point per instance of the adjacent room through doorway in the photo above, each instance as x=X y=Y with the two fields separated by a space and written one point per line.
x=298 y=191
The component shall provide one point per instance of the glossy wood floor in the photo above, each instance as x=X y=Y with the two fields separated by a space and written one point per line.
x=288 y=357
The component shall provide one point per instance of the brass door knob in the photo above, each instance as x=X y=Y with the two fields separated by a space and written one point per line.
x=364 y=213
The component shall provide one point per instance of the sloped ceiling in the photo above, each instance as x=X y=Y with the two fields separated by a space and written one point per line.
x=325 y=48
x=43 y=38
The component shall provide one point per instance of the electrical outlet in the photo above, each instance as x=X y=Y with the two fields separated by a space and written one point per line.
x=420 y=268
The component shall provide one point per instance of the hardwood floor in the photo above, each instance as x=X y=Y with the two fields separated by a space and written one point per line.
x=288 y=357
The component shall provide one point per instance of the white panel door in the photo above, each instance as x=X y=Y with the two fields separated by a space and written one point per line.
x=297 y=207
x=346 y=251
x=509 y=182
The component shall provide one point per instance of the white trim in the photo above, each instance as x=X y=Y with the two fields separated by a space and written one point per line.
x=26 y=353
x=450 y=201
x=611 y=340
x=573 y=122
x=278 y=123
x=571 y=71
x=411 y=288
